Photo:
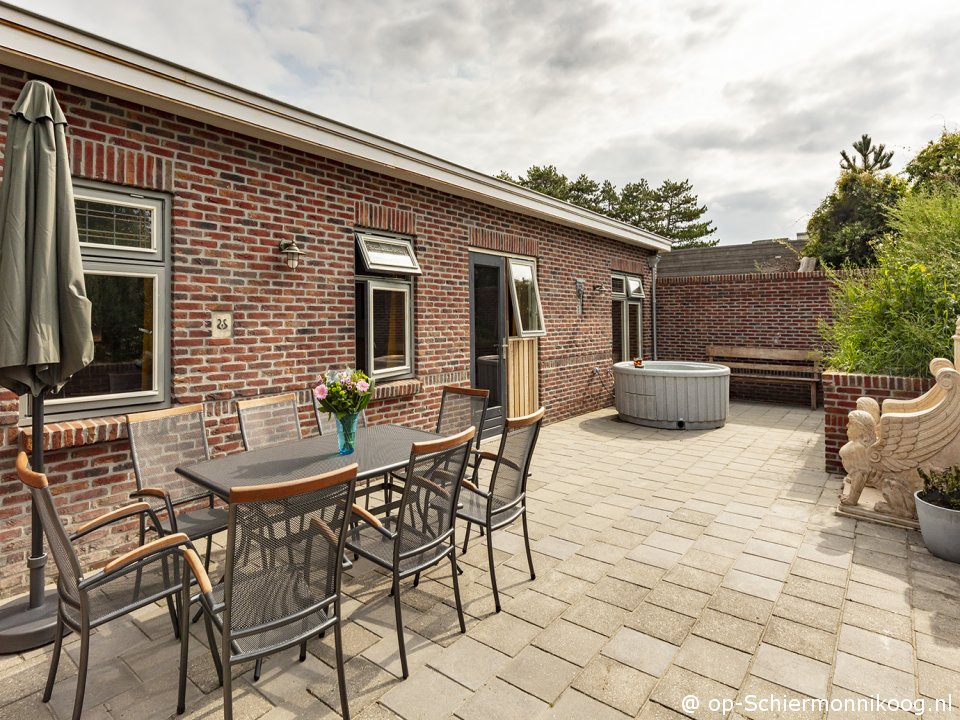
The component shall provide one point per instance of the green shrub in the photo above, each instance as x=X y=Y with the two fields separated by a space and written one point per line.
x=895 y=319
x=942 y=487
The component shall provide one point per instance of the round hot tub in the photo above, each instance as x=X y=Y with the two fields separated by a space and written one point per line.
x=672 y=394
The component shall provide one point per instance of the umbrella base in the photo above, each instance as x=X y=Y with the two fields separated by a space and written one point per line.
x=23 y=628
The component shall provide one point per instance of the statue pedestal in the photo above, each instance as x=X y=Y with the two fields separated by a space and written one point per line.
x=864 y=510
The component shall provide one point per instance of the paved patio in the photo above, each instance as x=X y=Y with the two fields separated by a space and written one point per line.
x=669 y=565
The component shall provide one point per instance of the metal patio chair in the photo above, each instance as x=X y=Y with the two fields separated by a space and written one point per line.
x=161 y=440
x=421 y=534
x=275 y=600
x=505 y=500
x=268 y=421
x=133 y=579
x=460 y=408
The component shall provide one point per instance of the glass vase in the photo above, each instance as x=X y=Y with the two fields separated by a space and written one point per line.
x=347 y=432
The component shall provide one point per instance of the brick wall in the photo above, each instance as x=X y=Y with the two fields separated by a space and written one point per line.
x=757 y=310
x=234 y=199
x=840 y=393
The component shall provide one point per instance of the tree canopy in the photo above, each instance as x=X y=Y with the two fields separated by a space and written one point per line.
x=849 y=221
x=937 y=164
x=671 y=210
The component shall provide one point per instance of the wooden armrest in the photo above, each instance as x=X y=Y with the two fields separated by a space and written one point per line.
x=167 y=541
x=325 y=530
x=485 y=455
x=199 y=572
x=366 y=517
x=149 y=492
x=470 y=486
x=421 y=480
x=113 y=516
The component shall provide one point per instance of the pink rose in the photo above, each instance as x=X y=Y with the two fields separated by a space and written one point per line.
x=320 y=391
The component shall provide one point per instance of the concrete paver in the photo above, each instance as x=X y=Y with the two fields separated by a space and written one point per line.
x=668 y=565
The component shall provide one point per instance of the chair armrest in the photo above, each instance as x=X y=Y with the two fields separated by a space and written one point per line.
x=113 y=516
x=372 y=522
x=199 y=572
x=167 y=501
x=421 y=480
x=470 y=486
x=162 y=543
x=324 y=530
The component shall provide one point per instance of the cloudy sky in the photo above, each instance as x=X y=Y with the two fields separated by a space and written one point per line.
x=750 y=101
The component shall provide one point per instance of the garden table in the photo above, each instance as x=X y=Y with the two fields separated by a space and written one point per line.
x=379 y=450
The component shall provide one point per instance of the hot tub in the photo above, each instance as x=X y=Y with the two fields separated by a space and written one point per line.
x=675 y=395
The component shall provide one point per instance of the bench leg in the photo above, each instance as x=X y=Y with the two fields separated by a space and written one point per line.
x=813 y=396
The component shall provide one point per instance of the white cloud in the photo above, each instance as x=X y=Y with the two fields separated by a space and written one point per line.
x=750 y=101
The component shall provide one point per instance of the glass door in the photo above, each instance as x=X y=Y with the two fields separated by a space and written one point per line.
x=488 y=335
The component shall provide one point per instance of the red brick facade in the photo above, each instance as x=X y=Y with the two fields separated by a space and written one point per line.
x=780 y=310
x=234 y=199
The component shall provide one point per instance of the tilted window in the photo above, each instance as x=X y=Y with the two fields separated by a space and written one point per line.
x=124 y=246
x=525 y=298
x=384 y=305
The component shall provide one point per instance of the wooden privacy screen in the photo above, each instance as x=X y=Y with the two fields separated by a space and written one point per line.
x=524 y=393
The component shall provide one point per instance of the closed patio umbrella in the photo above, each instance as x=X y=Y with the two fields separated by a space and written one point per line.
x=45 y=334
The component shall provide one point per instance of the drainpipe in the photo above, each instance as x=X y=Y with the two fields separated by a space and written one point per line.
x=653 y=261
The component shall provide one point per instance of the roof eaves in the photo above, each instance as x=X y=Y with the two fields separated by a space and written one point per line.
x=43 y=46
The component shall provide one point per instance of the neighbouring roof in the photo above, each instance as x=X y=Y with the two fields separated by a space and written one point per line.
x=51 y=49
x=764 y=256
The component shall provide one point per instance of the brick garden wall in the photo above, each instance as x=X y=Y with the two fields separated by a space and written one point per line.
x=779 y=310
x=234 y=199
x=840 y=393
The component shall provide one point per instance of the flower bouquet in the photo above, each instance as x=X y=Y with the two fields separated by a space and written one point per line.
x=345 y=394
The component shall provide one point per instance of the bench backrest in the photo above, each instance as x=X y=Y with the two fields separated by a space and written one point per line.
x=803 y=358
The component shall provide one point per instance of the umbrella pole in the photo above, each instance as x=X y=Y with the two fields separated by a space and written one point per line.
x=31 y=622
x=38 y=558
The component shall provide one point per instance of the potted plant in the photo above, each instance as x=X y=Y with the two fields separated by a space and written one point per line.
x=938 y=510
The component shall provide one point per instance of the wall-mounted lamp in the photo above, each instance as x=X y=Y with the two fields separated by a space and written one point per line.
x=291 y=252
x=580 y=290
x=599 y=287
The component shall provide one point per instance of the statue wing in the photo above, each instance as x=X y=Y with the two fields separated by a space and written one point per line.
x=907 y=440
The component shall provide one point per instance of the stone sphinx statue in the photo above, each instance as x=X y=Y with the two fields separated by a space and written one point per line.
x=886 y=448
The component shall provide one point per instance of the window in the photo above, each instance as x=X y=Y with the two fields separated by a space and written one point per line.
x=123 y=242
x=387 y=254
x=385 y=306
x=626 y=317
x=525 y=297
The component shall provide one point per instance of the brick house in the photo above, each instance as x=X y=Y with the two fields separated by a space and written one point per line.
x=421 y=272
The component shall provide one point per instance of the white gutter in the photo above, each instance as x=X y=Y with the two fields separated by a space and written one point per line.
x=50 y=49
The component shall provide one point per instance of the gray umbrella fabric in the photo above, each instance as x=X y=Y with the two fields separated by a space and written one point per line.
x=45 y=334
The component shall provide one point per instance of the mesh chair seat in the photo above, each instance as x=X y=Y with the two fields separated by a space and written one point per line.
x=473 y=508
x=155 y=579
x=202 y=522
x=372 y=544
x=270 y=594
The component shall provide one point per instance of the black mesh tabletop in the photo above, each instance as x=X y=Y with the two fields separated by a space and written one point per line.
x=379 y=449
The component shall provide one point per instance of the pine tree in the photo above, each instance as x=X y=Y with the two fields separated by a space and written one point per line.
x=872 y=159
x=680 y=216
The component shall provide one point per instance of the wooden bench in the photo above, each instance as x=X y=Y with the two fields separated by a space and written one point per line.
x=770 y=365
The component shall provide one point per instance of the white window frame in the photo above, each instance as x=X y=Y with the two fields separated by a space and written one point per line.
x=407 y=244
x=113 y=260
x=521 y=330
x=626 y=299
x=390 y=285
